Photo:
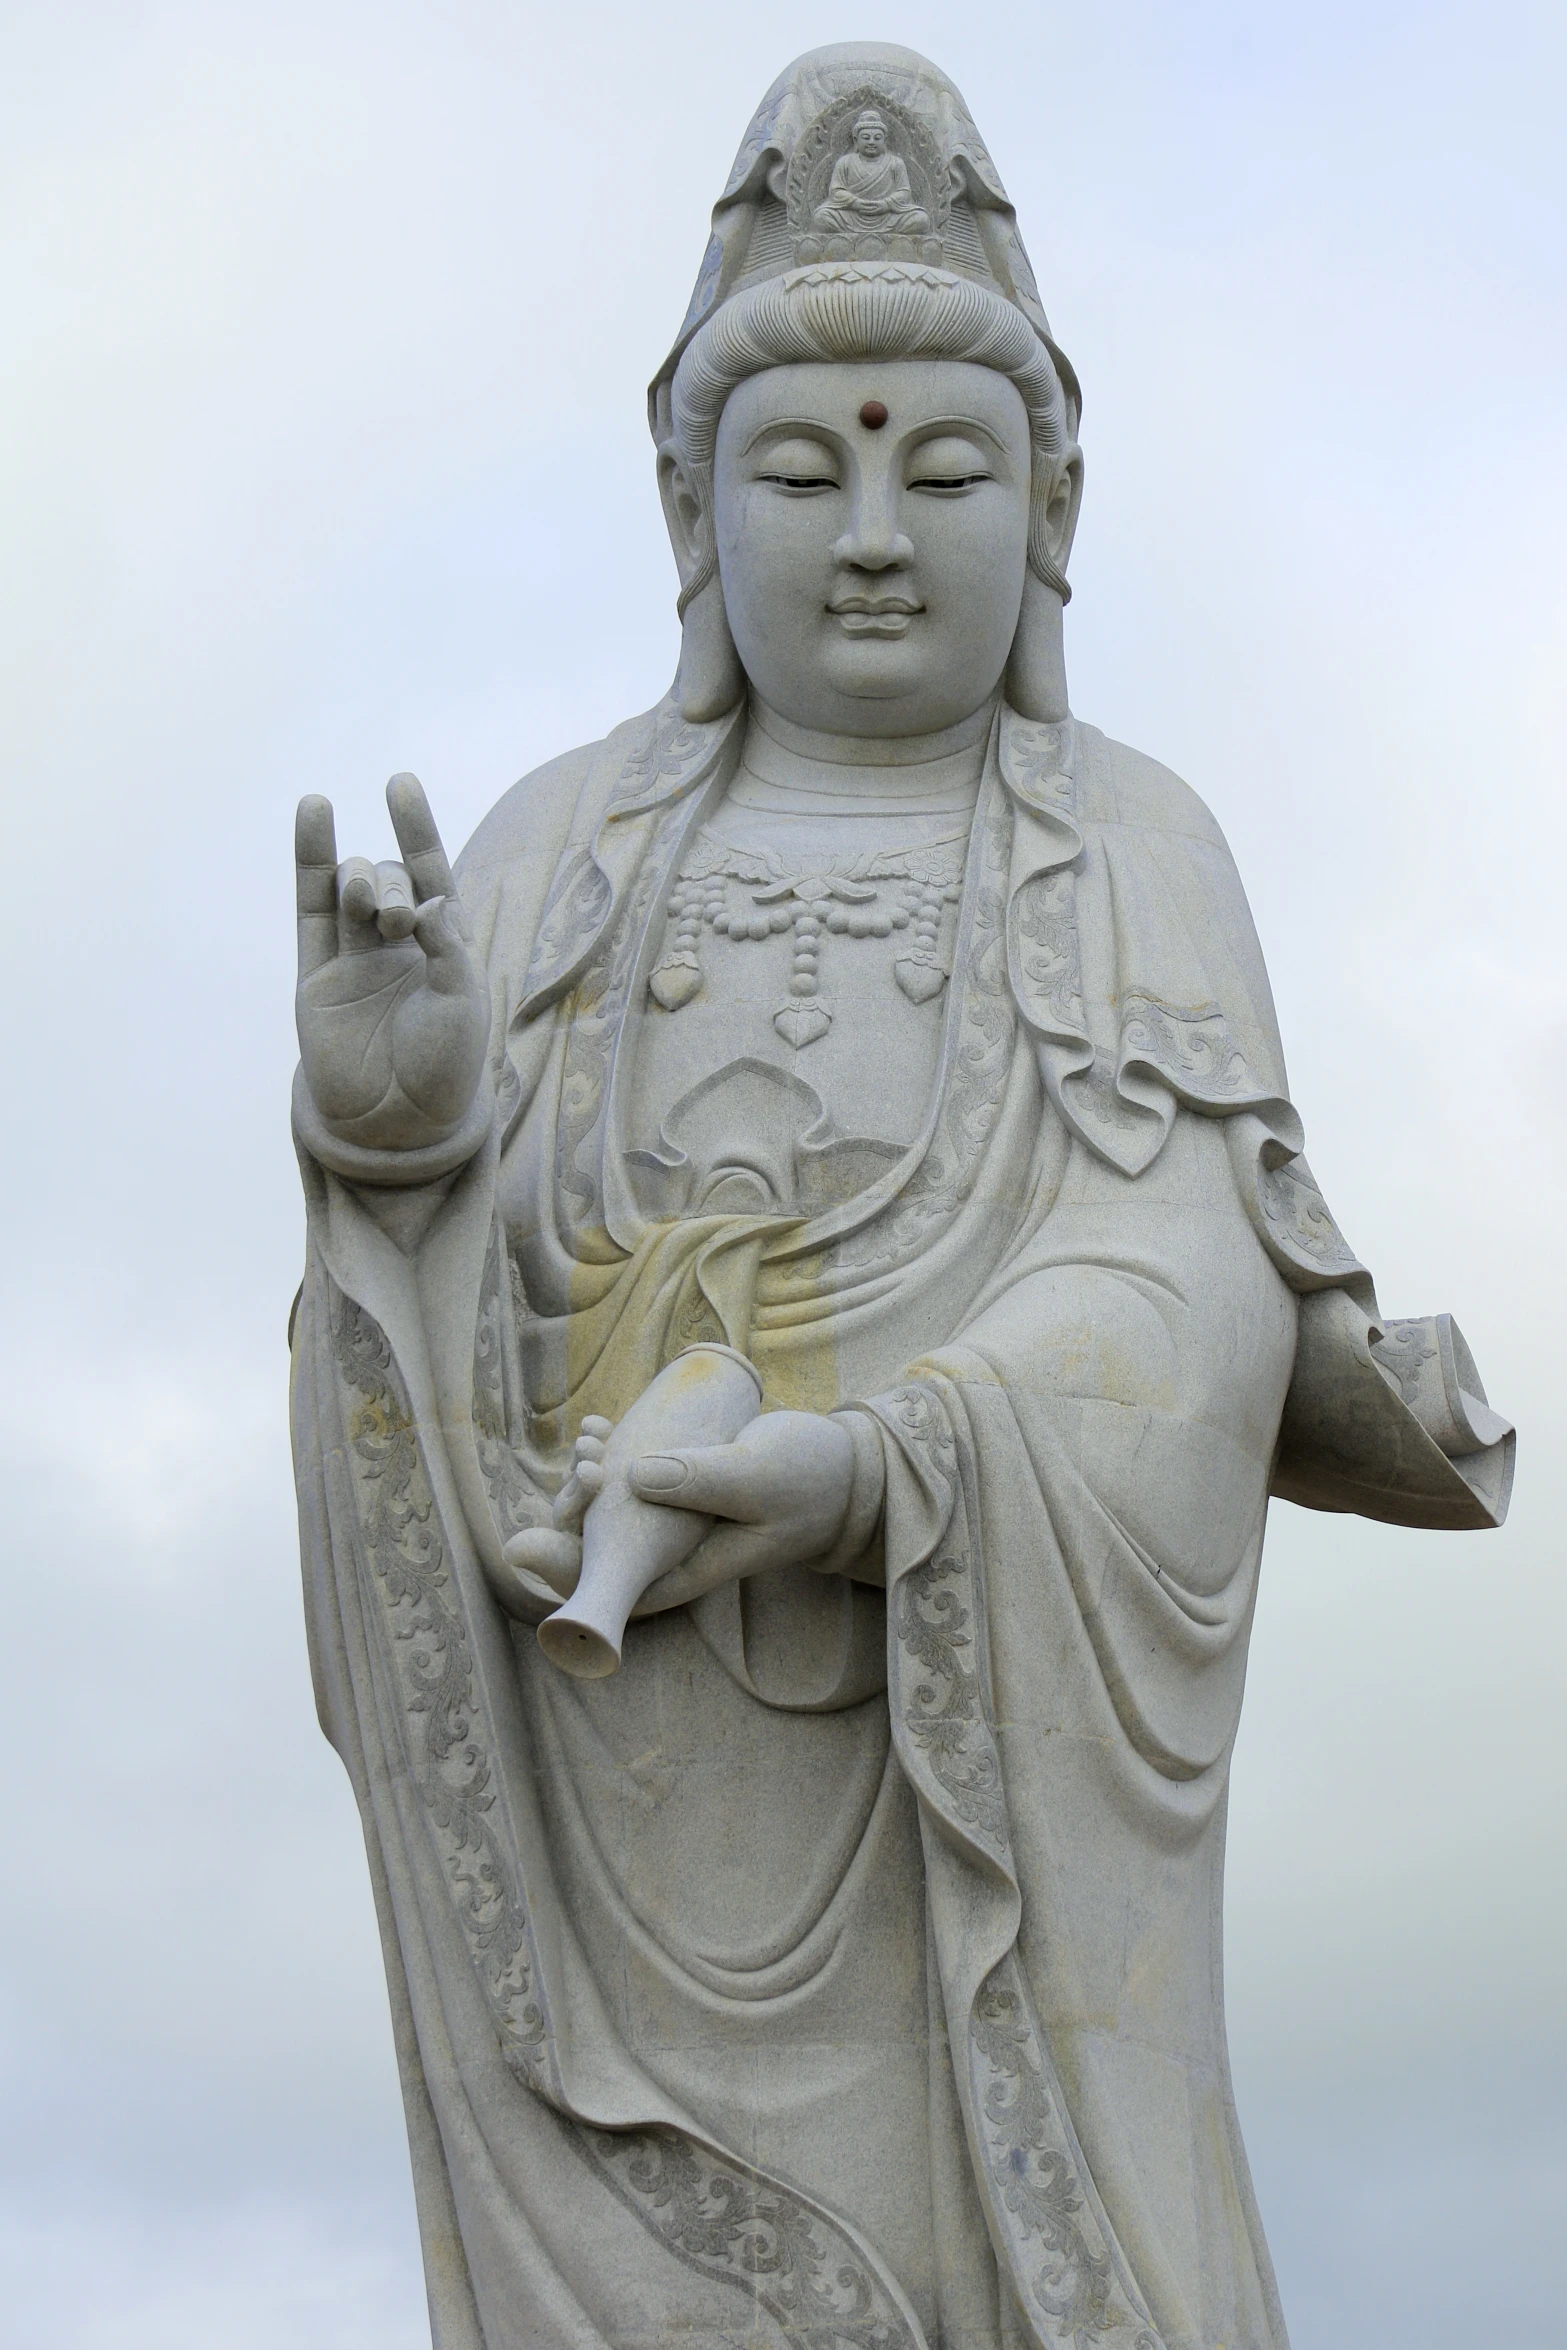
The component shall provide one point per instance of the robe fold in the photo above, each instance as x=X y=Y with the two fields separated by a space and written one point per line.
x=847 y=1969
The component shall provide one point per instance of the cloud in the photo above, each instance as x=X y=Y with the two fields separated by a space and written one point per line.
x=119 y=2276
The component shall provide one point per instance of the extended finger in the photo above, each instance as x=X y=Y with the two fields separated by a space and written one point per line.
x=418 y=839
x=727 y=1555
x=570 y=1508
x=555 y=1558
x=315 y=882
x=439 y=932
x=356 y=905
x=719 y=1480
x=395 y=902
x=581 y=1488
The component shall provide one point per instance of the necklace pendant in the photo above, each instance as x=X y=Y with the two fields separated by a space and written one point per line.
x=802 y=1024
x=919 y=980
x=676 y=981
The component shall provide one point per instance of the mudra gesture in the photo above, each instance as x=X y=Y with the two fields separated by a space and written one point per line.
x=861 y=1037
x=869 y=188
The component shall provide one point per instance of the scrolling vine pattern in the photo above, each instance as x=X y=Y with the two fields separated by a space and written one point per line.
x=943 y=1716
x=1299 y=1221
x=1190 y=1047
x=1038 y=755
x=1402 y=1354
x=935 y=1682
x=595 y=1015
x=803 y=2271
x=429 y=1659
x=498 y=1404
x=709 y=2210
x=666 y=757
x=670 y=754
x=577 y=903
x=1038 y=2183
x=1035 y=2173
x=1051 y=962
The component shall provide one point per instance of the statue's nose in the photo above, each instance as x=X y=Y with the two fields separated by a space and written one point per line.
x=873 y=541
x=873 y=550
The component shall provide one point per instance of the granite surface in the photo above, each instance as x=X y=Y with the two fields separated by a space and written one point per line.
x=812 y=1281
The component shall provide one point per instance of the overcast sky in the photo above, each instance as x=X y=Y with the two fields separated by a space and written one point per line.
x=326 y=330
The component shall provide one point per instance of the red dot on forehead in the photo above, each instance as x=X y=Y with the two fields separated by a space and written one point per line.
x=874 y=415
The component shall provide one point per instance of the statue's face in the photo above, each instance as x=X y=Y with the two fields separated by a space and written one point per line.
x=870 y=138
x=873 y=578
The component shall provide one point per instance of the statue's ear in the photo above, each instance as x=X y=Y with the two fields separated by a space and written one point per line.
x=709 y=680
x=1054 y=523
x=1036 y=670
x=1053 y=520
x=685 y=515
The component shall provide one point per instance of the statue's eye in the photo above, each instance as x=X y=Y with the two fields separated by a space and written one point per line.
x=800 y=481
x=948 y=466
x=799 y=464
x=948 y=481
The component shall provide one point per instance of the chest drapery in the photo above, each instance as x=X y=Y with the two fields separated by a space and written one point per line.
x=1102 y=936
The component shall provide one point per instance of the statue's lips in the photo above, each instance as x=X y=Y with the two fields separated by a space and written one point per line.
x=875 y=616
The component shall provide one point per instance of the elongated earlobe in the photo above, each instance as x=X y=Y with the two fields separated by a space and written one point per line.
x=1036 y=670
x=709 y=680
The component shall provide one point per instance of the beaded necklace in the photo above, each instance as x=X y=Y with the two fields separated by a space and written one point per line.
x=745 y=894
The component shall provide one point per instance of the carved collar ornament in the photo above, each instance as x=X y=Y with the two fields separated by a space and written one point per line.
x=870 y=896
x=1173 y=1040
x=865 y=153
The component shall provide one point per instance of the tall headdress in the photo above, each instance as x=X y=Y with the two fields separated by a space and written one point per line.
x=804 y=201
x=769 y=218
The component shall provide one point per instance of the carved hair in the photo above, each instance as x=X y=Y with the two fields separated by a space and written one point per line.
x=868 y=310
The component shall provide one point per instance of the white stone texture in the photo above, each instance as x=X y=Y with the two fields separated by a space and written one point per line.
x=845 y=1967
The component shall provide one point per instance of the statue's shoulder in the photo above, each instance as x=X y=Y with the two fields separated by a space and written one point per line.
x=1172 y=862
x=530 y=821
x=1117 y=785
x=530 y=825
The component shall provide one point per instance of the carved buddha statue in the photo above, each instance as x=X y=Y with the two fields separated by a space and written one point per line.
x=844 y=1968
x=869 y=188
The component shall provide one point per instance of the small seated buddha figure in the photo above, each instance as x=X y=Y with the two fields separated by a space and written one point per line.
x=869 y=192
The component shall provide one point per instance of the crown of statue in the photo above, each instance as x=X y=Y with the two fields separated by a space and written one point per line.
x=800 y=192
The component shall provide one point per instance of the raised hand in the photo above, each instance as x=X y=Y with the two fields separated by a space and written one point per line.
x=393 y=1018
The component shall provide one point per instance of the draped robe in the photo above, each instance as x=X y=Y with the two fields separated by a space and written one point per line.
x=847 y=1969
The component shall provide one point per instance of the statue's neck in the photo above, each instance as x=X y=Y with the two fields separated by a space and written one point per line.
x=791 y=768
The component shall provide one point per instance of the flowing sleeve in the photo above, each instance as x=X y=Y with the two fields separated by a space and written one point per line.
x=1137 y=970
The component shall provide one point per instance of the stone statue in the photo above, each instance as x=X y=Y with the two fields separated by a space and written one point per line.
x=812 y=1281
x=869 y=188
